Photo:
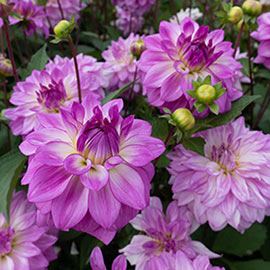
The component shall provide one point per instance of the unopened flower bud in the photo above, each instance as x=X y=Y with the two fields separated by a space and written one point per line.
x=252 y=8
x=183 y=118
x=206 y=93
x=235 y=15
x=5 y=67
x=62 y=29
x=137 y=47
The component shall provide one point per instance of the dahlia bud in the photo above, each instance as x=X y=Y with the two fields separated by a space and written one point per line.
x=137 y=47
x=183 y=118
x=62 y=29
x=235 y=15
x=252 y=8
x=5 y=67
x=239 y=25
x=206 y=94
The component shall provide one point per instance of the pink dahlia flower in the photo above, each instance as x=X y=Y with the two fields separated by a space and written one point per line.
x=137 y=7
x=48 y=90
x=231 y=183
x=180 y=54
x=24 y=245
x=97 y=261
x=120 y=64
x=90 y=169
x=165 y=235
x=69 y=8
x=32 y=15
x=262 y=34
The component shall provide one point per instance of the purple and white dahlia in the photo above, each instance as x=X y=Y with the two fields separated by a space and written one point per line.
x=24 y=245
x=49 y=90
x=164 y=237
x=120 y=64
x=33 y=16
x=262 y=34
x=90 y=169
x=231 y=183
x=97 y=261
x=180 y=54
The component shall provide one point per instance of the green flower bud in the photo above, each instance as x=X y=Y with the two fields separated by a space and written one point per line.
x=252 y=8
x=235 y=15
x=206 y=93
x=183 y=118
x=5 y=67
x=137 y=47
x=62 y=29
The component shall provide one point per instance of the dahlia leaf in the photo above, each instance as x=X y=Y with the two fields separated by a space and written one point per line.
x=38 y=62
x=116 y=93
x=233 y=242
x=195 y=144
x=251 y=265
x=11 y=165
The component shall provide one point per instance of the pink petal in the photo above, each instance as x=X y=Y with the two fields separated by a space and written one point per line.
x=96 y=259
x=120 y=263
x=76 y=164
x=182 y=262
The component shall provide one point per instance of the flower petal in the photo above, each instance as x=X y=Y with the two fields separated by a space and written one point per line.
x=76 y=164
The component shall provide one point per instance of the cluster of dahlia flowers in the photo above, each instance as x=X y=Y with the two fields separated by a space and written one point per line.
x=23 y=244
x=180 y=54
x=130 y=14
x=55 y=87
x=90 y=169
x=262 y=35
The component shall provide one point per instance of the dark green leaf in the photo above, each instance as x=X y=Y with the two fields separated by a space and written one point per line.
x=195 y=144
x=116 y=93
x=263 y=73
x=233 y=242
x=38 y=62
x=251 y=265
x=11 y=165
x=160 y=128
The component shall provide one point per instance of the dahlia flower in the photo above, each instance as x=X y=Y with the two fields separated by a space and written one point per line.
x=90 y=169
x=32 y=15
x=194 y=14
x=262 y=35
x=97 y=261
x=165 y=235
x=231 y=183
x=69 y=7
x=48 y=90
x=127 y=21
x=24 y=245
x=120 y=64
x=180 y=54
x=136 y=7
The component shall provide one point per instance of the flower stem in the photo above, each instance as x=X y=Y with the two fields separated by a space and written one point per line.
x=73 y=52
x=61 y=10
x=10 y=52
x=6 y=105
x=251 y=77
x=238 y=38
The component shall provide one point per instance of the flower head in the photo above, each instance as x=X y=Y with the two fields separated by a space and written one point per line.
x=97 y=261
x=24 y=245
x=120 y=63
x=231 y=183
x=49 y=90
x=136 y=7
x=90 y=168
x=262 y=35
x=180 y=54
x=164 y=237
x=193 y=13
x=33 y=16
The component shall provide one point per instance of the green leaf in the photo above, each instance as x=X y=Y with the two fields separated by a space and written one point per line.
x=263 y=73
x=192 y=93
x=214 y=121
x=116 y=93
x=11 y=165
x=252 y=265
x=38 y=62
x=195 y=144
x=199 y=106
x=207 y=80
x=220 y=92
x=214 y=108
x=233 y=242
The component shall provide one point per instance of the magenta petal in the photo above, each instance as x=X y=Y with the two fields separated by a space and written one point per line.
x=71 y=206
x=96 y=178
x=182 y=262
x=120 y=263
x=96 y=259
x=103 y=206
x=76 y=164
x=127 y=186
x=48 y=182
